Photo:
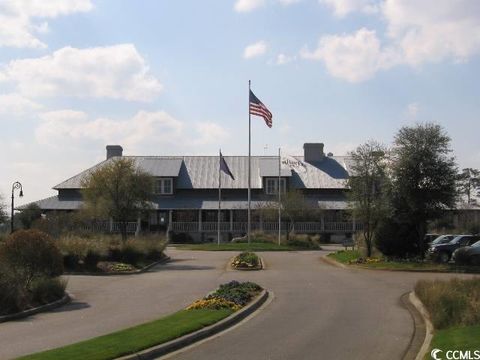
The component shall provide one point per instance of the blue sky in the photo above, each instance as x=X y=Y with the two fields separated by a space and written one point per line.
x=171 y=78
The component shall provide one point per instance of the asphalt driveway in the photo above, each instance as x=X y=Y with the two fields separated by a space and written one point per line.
x=319 y=311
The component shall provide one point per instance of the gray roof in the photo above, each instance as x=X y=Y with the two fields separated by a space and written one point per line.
x=192 y=201
x=55 y=203
x=200 y=172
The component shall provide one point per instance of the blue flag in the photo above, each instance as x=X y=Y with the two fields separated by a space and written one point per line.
x=224 y=167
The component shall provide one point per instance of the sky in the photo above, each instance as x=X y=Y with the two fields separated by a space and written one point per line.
x=166 y=77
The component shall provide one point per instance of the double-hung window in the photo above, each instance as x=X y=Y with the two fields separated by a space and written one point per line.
x=164 y=186
x=271 y=186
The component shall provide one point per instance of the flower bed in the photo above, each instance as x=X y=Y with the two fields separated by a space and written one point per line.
x=233 y=295
x=246 y=260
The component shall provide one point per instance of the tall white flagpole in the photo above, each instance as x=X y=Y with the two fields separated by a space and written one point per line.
x=219 y=195
x=249 y=163
x=279 y=199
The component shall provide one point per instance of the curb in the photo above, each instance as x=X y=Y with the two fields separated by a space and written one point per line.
x=332 y=262
x=201 y=334
x=260 y=267
x=47 y=307
x=417 y=303
x=140 y=271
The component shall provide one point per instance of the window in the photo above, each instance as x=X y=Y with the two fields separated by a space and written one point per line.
x=164 y=186
x=271 y=185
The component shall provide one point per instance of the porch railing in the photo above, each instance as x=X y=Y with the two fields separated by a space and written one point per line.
x=236 y=227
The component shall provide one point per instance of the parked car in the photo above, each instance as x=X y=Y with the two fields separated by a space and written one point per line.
x=469 y=255
x=442 y=239
x=430 y=237
x=443 y=252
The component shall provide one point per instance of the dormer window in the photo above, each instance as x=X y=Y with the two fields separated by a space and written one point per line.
x=271 y=185
x=163 y=186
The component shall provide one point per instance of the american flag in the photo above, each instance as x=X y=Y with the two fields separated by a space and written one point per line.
x=257 y=108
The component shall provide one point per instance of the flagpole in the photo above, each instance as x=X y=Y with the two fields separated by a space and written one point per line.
x=279 y=199
x=249 y=164
x=219 y=196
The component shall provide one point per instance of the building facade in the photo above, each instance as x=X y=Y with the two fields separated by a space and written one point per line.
x=185 y=196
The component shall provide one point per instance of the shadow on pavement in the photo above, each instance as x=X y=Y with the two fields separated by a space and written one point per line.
x=74 y=305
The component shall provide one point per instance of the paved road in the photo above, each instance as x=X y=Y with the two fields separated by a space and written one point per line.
x=319 y=311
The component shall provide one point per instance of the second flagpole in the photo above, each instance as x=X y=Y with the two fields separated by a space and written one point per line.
x=219 y=195
x=249 y=163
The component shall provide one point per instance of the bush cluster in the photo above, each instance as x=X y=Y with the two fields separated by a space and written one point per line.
x=30 y=266
x=451 y=303
x=85 y=253
x=246 y=260
x=233 y=295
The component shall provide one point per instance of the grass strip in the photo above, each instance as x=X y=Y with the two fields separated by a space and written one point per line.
x=345 y=256
x=238 y=247
x=457 y=338
x=136 y=338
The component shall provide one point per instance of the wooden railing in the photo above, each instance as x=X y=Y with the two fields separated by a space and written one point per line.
x=108 y=227
x=236 y=227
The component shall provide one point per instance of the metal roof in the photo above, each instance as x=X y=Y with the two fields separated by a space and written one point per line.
x=198 y=201
x=201 y=172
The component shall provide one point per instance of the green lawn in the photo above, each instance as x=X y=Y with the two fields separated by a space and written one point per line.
x=137 y=338
x=254 y=246
x=457 y=338
x=345 y=256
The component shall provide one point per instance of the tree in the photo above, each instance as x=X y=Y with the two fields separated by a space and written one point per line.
x=424 y=177
x=27 y=216
x=368 y=188
x=469 y=184
x=118 y=190
x=3 y=211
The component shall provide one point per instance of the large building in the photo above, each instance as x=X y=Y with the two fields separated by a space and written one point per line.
x=185 y=197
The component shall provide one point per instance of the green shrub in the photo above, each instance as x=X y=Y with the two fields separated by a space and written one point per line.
x=393 y=239
x=13 y=296
x=246 y=260
x=302 y=242
x=238 y=293
x=45 y=290
x=451 y=303
x=32 y=254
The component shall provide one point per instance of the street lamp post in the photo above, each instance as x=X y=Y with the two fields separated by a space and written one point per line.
x=15 y=186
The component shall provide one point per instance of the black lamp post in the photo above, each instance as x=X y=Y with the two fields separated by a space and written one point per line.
x=15 y=186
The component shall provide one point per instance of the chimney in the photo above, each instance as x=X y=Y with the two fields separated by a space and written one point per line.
x=313 y=152
x=114 y=150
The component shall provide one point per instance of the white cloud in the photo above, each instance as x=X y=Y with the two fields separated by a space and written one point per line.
x=432 y=30
x=412 y=110
x=354 y=57
x=140 y=133
x=117 y=72
x=343 y=7
x=283 y=59
x=66 y=126
x=248 y=5
x=210 y=133
x=254 y=50
x=418 y=32
x=15 y=104
x=18 y=19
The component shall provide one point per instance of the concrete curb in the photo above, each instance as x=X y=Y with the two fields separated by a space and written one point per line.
x=47 y=307
x=417 y=303
x=201 y=334
x=140 y=271
x=332 y=262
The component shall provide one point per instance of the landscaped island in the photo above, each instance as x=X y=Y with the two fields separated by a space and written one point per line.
x=223 y=302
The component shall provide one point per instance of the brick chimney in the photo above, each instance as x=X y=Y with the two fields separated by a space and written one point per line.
x=313 y=152
x=114 y=150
